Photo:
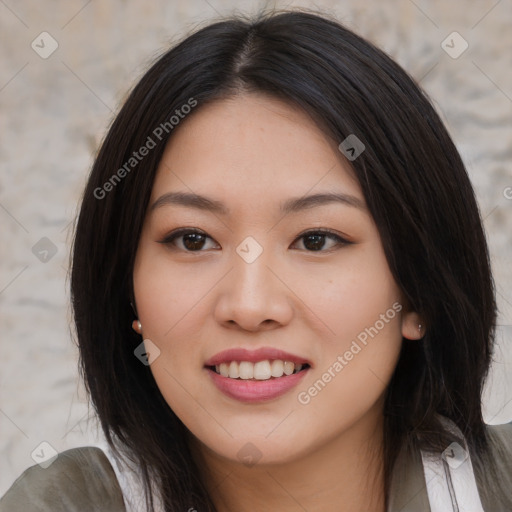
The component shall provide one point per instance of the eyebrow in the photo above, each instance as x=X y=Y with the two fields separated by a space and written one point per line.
x=292 y=205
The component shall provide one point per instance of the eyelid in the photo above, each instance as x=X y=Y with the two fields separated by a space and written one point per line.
x=170 y=237
x=341 y=240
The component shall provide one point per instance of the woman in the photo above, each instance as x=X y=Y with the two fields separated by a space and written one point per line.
x=281 y=290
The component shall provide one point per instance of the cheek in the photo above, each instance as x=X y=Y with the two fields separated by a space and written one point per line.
x=351 y=296
x=352 y=383
x=169 y=296
x=354 y=368
x=173 y=307
x=359 y=304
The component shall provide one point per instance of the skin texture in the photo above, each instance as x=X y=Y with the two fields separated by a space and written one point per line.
x=253 y=152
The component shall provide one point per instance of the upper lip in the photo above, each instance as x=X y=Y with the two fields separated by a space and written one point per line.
x=253 y=356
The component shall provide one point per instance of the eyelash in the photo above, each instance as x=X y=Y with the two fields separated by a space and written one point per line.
x=340 y=241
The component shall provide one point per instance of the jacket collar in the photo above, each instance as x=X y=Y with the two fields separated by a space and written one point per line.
x=408 y=492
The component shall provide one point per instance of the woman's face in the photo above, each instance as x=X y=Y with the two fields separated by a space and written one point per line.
x=234 y=256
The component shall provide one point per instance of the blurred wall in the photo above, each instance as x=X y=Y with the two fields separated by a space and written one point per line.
x=54 y=108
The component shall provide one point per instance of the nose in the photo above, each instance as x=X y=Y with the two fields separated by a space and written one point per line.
x=252 y=297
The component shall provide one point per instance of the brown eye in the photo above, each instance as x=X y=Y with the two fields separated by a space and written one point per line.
x=189 y=240
x=321 y=241
x=314 y=242
x=194 y=241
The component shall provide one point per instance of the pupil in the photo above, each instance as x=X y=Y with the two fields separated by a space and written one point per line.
x=193 y=241
x=317 y=242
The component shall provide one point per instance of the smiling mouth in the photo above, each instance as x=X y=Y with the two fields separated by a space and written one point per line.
x=261 y=370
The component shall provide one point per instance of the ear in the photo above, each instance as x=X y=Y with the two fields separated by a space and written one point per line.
x=413 y=327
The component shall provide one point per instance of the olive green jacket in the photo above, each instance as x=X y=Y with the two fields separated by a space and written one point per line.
x=82 y=479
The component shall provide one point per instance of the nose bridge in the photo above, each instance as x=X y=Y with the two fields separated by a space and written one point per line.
x=252 y=296
x=251 y=276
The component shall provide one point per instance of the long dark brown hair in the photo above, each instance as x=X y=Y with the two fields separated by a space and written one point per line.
x=415 y=186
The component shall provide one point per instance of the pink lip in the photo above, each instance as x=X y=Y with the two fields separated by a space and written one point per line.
x=253 y=356
x=251 y=391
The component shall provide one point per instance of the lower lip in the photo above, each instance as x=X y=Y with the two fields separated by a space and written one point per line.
x=251 y=391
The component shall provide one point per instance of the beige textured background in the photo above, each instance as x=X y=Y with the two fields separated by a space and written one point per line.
x=53 y=112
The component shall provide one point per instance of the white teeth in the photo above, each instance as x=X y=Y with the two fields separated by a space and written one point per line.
x=288 y=367
x=224 y=370
x=234 y=372
x=277 y=368
x=246 y=370
x=262 y=370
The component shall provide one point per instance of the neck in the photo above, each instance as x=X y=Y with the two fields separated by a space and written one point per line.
x=343 y=475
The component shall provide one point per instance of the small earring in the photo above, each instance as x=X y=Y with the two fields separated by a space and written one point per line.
x=419 y=329
x=137 y=326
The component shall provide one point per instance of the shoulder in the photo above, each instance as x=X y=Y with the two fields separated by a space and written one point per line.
x=494 y=488
x=500 y=440
x=79 y=479
x=501 y=433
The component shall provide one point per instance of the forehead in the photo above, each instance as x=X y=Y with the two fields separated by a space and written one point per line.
x=252 y=148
